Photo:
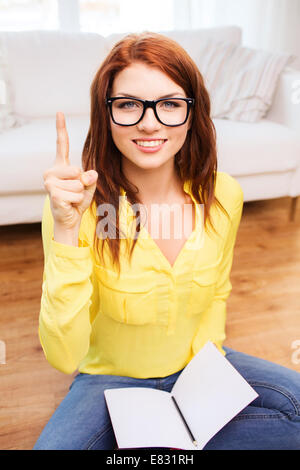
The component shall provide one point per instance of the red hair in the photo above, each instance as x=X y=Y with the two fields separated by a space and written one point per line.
x=196 y=161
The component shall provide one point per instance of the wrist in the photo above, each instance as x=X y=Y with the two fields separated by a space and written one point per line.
x=66 y=236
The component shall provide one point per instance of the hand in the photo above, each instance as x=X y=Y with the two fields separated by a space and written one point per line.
x=70 y=189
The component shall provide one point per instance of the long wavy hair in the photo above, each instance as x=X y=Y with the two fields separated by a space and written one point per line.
x=196 y=161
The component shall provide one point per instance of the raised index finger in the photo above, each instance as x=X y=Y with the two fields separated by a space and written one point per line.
x=62 y=142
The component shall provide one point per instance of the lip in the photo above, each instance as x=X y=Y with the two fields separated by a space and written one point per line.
x=150 y=149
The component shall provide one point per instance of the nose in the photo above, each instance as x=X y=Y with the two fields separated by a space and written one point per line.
x=149 y=121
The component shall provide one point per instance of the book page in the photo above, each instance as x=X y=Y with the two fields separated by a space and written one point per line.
x=210 y=392
x=146 y=417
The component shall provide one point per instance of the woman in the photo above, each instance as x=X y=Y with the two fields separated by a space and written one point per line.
x=123 y=306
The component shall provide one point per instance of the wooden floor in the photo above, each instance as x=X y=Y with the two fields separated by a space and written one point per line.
x=263 y=312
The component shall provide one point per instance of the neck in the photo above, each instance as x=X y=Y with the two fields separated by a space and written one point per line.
x=157 y=185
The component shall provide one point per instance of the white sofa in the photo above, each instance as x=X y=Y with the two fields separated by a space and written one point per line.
x=52 y=71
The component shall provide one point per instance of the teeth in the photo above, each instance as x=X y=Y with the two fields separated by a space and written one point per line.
x=149 y=143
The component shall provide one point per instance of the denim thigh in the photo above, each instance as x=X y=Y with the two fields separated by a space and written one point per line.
x=272 y=420
x=82 y=422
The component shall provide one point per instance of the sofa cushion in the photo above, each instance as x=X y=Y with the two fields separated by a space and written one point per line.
x=254 y=148
x=241 y=81
x=29 y=150
x=51 y=69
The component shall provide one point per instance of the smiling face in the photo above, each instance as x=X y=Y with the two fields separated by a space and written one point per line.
x=147 y=83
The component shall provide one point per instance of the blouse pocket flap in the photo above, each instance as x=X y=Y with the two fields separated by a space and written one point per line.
x=124 y=283
x=207 y=276
x=128 y=300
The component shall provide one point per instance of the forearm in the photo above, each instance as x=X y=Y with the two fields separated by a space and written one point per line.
x=64 y=324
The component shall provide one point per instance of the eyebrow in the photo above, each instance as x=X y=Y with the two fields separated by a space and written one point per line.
x=169 y=95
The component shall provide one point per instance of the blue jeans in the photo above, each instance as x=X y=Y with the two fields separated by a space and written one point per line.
x=270 y=422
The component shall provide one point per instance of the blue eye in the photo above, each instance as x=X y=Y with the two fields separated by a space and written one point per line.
x=127 y=104
x=168 y=105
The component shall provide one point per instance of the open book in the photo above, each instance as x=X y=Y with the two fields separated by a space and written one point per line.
x=209 y=392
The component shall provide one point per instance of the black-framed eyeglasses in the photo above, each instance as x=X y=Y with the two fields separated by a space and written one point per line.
x=127 y=111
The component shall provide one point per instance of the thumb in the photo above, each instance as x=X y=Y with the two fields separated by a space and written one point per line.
x=89 y=179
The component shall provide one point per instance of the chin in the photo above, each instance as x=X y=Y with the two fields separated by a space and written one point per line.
x=148 y=162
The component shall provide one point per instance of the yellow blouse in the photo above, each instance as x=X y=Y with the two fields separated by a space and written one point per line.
x=152 y=320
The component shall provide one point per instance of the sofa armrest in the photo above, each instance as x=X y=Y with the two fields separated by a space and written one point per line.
x=285 y=108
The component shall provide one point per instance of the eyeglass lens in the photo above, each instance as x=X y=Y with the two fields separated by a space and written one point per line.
x=170 y=112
